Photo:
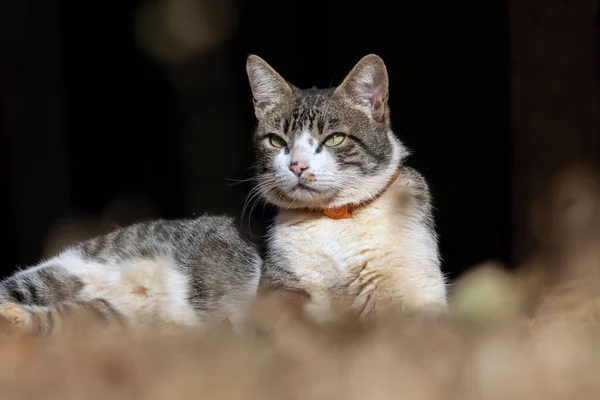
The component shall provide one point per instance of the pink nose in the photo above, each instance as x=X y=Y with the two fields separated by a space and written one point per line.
x=297 y=167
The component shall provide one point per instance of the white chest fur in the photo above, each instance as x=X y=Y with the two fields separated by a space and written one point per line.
x=386 y=254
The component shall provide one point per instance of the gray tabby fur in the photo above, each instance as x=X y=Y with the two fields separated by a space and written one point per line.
x=185 y=272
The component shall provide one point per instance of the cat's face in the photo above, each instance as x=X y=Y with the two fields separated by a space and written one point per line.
x=321 y=148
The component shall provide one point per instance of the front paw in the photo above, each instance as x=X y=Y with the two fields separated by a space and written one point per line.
x=15 y=318
x=364 y=290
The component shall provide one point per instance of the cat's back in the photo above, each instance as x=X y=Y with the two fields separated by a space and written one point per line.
x=208 y=237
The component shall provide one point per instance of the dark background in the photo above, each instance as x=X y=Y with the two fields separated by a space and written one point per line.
x=95 y=128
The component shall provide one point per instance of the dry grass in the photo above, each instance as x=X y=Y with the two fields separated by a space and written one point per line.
x=531 y=334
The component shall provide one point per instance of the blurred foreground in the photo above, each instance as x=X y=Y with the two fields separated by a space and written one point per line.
x=533 y=334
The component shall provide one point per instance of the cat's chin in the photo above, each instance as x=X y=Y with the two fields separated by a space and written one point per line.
x=301 y=198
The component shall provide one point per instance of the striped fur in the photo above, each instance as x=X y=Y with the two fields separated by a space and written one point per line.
x=169 y=273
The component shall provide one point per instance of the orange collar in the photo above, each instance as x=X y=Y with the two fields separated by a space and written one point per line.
x=345 y=211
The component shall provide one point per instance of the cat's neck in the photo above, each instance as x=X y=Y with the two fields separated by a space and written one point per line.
x=347 y=210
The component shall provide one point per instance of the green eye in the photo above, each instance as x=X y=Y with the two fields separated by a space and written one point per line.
x=277 y=141
x=334 y=140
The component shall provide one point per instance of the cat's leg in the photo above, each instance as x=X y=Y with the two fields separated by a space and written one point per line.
x=58 y=318
x=364 y=289
x=274 y=306
x=240 y=321
x=413 y=269
x=240 y=310
x=377 y=288
x=325 y=306
x=48 y=283
x=371 y=299
x=15 y=318
x=145 y=291
x=37 y=299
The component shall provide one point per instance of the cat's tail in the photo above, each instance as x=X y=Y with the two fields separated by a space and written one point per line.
x=58 y=318
x=44 y=300
x=40 y=286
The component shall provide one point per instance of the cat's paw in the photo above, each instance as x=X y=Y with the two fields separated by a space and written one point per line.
x=270 y=312
x=364 y=291
x=15 y=318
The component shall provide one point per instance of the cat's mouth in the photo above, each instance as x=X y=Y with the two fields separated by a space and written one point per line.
x=292 y=193
x=301 y=187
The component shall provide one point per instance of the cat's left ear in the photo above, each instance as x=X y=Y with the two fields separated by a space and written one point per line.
x=367 y=86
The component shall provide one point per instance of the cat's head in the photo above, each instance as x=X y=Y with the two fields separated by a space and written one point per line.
x=321 y=148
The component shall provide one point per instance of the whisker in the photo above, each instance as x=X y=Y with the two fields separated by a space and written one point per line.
x=255 y=196
x=240 y=181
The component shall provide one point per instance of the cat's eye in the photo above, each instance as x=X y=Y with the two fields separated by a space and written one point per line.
x=334 y=140
x=277 y=141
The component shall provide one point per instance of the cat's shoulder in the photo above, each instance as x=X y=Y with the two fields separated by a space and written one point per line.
x=419 y=190
x=416 y=182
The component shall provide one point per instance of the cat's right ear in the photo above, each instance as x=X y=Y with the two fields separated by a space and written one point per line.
x=268 y=87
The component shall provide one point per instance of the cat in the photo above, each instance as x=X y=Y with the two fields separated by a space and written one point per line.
x=187 y=272
x=354 y=229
